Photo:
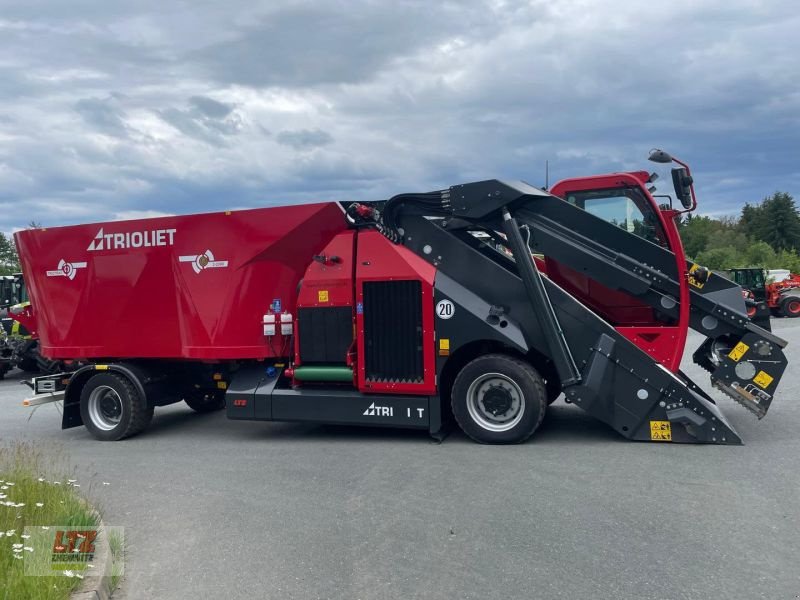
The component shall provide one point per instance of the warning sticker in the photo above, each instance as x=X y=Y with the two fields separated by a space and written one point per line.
x=661 y=431
x=738 y=351
x=444 y=347
x=763 y=379
x=694 y=280
x=322 y=296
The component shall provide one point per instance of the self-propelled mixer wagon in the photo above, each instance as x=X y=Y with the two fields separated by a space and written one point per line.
x=484 y=301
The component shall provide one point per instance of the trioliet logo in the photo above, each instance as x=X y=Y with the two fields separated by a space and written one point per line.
x=132 y=239
x=66 y=269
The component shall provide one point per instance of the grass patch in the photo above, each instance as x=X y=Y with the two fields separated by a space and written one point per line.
x=116 y=547
x=35 y=492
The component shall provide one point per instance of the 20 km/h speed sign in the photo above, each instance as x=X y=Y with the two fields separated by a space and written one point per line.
x=445 y=309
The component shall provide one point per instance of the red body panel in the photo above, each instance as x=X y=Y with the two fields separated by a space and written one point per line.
x=328 y=281
x=632 y=318
x=378 y=259
x=192 y=287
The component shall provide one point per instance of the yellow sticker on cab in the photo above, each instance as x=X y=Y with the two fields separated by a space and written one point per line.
x=661 y=431
x=763 y=379
x=738 y=351
x=322 y=296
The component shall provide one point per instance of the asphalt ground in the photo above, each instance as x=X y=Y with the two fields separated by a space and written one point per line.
x=220 y=509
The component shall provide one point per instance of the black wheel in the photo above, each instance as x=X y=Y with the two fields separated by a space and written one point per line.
x=112 y=409
x=203 y=402
x=499 y=399
x=790 y=306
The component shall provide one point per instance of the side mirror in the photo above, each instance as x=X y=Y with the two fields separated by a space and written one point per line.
x=682 y=182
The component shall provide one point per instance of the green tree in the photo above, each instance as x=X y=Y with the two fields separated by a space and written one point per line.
x=760 y=254
x=720 y=258
x=9 y=261
x=752 y=222
x=776 y=221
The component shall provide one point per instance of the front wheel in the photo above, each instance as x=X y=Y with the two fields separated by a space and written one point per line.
x=499 y=399
x=790 y=306
x=112 y=408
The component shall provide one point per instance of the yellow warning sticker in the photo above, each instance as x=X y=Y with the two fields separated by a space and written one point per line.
x=693 y=279
x=738 y=351
x=444 y=347
x=763 y=379
x=222 y=385
x=322 y=296
x=661 y=431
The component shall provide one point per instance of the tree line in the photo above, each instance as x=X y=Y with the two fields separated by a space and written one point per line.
x=765 y=234
x=9 y=259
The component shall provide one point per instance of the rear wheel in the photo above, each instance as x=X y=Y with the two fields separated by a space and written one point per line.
x=203 y=402
x=790 y=306
x=499 y=399
x=112 y=408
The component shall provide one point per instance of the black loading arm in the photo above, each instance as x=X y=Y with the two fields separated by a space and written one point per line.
x=616 y=381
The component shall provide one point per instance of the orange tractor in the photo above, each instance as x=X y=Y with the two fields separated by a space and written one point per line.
x=781 y=295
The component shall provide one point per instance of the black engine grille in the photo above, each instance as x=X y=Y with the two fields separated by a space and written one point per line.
x=393 y=331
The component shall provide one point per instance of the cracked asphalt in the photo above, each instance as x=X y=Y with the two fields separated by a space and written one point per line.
x=220 y=509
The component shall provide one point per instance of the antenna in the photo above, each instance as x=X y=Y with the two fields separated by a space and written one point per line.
x=546 y=175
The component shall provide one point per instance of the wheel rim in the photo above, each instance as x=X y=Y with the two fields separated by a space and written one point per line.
x=105 y=407
x=495 y=402
x=794 y=307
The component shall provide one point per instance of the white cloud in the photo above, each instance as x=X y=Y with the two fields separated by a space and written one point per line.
x=142 y=108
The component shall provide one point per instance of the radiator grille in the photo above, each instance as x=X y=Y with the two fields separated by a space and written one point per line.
x=393 y=331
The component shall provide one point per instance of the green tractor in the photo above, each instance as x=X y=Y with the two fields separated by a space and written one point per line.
x=19 y=347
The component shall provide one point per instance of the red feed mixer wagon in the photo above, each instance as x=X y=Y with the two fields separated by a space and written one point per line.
x=483 y=302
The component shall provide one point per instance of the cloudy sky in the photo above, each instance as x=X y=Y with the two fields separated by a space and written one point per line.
x=123 y=109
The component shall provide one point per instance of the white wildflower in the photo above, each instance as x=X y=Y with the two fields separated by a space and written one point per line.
x=11 y=532
x=28 y=549
x=90 y=566
x=20 y=504
x=25 y=536
x=3 y=496
x=78 y=575
x=18 y=556
x=76 y=485
x=69 y=573
x=3 y=487
x=45 y=527
x=40 y=504
x=41 y=479
x=71 y=480
x=106 y=483
x=10 y=483
x=56 y=483
x=16 y=550
x=15 y=546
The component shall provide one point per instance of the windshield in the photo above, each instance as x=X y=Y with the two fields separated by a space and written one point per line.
x=625 y=207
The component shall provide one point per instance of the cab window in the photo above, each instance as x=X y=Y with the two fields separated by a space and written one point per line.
x=624 y=207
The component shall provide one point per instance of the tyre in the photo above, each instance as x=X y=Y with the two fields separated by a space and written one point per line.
x=790 y=306
x=203 y=402
x=499 y=399
x=112 y=408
